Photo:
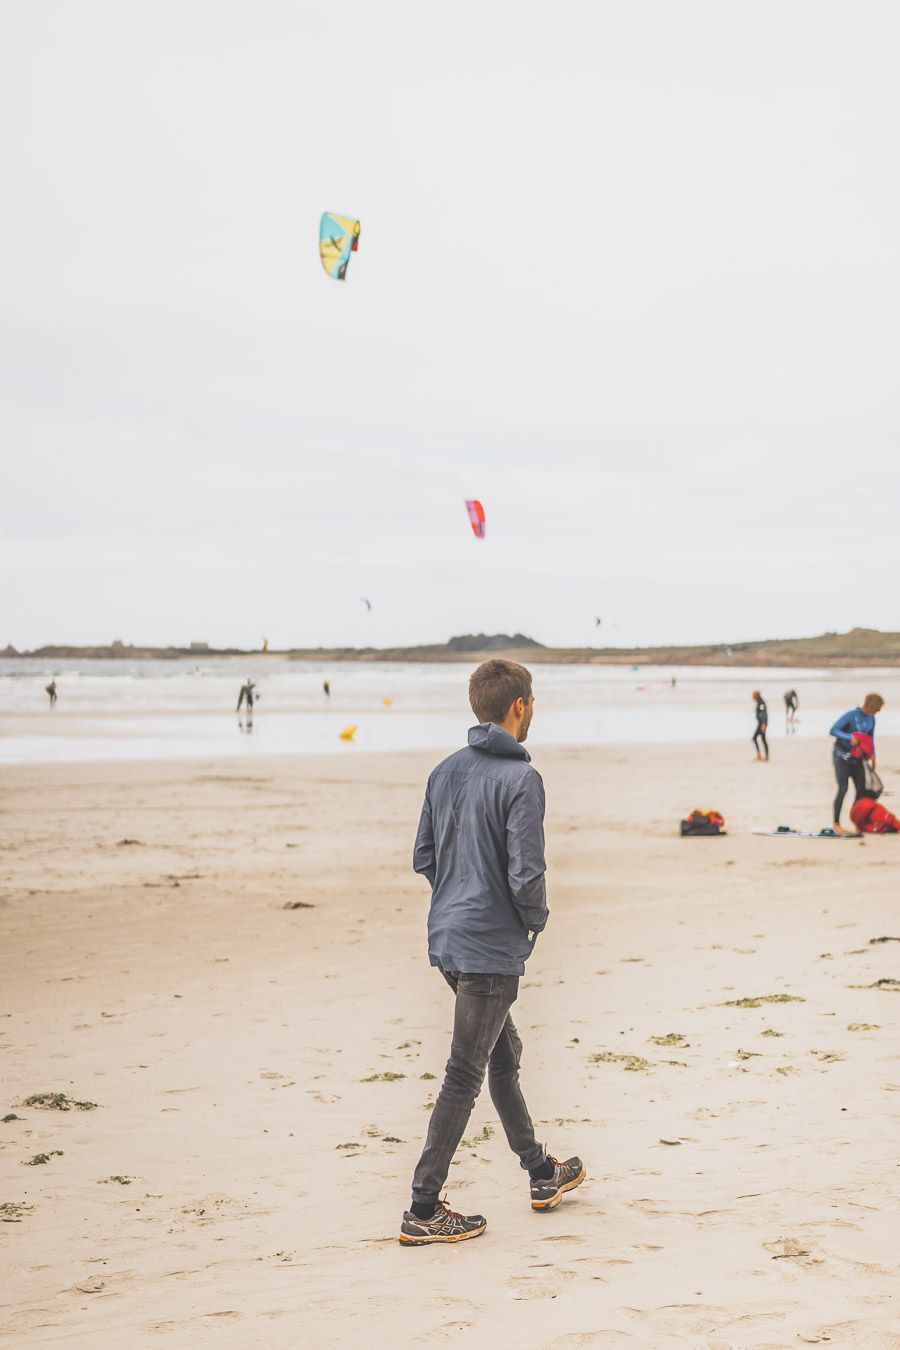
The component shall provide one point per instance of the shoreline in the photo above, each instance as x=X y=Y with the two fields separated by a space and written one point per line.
x=861 y=647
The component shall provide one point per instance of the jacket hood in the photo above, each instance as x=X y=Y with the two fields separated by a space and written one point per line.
x=488 y=736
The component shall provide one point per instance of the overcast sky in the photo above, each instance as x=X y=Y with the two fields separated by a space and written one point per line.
x=628 y=273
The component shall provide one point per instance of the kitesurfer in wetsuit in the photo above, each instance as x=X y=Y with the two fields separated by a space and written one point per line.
x=762 y=721
x=849 y=755
x=326 y=688
x=248 y=691
x=50 y=691
x=791 y=704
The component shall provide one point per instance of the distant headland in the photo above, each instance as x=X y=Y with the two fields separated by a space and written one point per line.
x=859 y=647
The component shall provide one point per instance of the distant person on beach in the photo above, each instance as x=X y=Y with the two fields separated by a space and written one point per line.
x=247 y=695
x=791 y=705
x=326 y=687
x=480 y=844
x=854 y=744
x=762 y=722
x=50 y=691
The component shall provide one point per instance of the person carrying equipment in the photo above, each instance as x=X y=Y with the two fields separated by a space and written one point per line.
x=762 y=722
x=247 y=695
x=854 y=744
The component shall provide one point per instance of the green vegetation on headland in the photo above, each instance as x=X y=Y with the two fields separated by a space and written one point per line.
x=859 y=647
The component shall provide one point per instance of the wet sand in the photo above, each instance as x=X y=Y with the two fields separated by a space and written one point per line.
x=262 y=1074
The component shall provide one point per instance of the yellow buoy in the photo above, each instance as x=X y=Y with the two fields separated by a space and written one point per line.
x=348 y=733
x=387 y=702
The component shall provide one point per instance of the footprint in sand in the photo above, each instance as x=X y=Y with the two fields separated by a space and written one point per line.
x=450 y=1330
x=792 y=1249
x=602 y=1337
x=544 y=1282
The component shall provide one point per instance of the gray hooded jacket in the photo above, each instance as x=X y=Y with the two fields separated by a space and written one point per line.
x=481 y=845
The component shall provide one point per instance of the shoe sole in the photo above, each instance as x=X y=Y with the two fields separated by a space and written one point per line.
x=554 y=1200
x=426 y=1241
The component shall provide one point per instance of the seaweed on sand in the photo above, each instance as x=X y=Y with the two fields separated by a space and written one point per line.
x=630 y=1063
x=58 y=1101
x=11 y=1211
x=760 y=999
x=482 y=1137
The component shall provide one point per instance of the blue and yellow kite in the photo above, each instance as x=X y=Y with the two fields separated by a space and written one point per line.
x=338 y=238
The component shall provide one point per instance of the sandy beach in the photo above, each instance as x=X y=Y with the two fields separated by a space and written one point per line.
x=229 y=960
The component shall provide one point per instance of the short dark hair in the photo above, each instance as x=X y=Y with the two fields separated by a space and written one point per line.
x=495 y=686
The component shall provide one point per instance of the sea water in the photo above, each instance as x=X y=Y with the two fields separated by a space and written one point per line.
x=118 y=710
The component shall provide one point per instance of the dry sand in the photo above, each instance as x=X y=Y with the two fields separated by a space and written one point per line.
x=742 y=1176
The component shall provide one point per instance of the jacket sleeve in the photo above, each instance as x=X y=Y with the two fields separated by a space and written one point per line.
x=525 y=851
x=843 y=728
x=423 y=852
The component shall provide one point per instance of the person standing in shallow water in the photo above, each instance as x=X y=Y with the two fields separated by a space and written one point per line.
x=762 y=722
x=791 y=704
x=247 y=695
x=480 y=844
x=849 y=753
x=50 y=691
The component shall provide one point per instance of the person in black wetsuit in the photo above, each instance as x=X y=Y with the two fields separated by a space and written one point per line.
x=762 y=721
x=247 y=695
x=50 y=691
x=791 y=704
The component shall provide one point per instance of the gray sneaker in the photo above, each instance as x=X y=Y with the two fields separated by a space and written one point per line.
x=443 y=1226
x=566 y=1176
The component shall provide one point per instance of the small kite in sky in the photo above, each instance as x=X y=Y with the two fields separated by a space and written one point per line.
x=338 y=238
x=364 y=600
x=476 y=517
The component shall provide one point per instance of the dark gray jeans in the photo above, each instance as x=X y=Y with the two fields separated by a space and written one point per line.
x=484 y=1040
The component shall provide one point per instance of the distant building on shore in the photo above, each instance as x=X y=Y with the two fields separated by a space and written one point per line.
x=199 y=647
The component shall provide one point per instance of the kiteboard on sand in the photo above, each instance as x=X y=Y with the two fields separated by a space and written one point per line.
x=785 y=832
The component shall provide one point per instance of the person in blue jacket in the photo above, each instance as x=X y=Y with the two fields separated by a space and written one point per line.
x=849 y=761
x=480 y=845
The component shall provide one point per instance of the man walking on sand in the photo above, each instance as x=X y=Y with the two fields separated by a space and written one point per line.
x=481 y=846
